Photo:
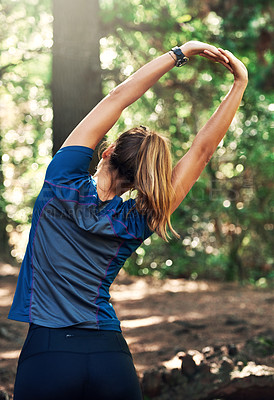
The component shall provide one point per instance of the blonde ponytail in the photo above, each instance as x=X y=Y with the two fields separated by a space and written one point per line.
x=142 y=158
x=153 y=183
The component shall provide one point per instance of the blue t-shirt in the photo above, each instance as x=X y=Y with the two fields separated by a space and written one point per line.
x=77 y=245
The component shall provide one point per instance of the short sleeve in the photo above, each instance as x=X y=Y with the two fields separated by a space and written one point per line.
x=69 y=163
x=135 y=222
x=147 y=231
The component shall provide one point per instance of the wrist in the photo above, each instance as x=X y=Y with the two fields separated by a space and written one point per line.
x=186 y=49
x=240 y=83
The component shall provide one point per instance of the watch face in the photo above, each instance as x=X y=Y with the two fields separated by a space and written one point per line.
x=182 y=61
x=177 y=51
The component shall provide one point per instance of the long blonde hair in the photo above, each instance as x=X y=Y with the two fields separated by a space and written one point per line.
x=142 y=158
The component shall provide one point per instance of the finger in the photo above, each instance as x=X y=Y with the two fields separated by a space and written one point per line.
x=233 y=61
x=211 y=57
x=208 y=57
x=216 y=59
x=225 y=64
x=228 y=54
x=210 y=53
x=217 y=55
x=216 y=51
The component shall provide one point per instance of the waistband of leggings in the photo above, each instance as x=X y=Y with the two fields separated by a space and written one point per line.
x=42 y=339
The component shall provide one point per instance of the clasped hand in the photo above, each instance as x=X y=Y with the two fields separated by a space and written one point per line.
x=224 y=57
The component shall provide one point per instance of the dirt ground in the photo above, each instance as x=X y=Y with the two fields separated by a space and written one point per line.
x=159 y=319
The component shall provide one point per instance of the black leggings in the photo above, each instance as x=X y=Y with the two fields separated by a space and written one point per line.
x=75 y=364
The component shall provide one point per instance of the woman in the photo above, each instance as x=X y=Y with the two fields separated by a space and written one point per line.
x=82 y=232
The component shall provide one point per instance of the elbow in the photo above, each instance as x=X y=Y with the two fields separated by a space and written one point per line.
x=118 y=95
x=205 y=150
x=114 y=91
x=208 y=151
x=118 y=90
x=208 y=156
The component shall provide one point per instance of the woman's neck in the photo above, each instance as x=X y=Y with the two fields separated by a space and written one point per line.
x=108 y=185
x=103 y=183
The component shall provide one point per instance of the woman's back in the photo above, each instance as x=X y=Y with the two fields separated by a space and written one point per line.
x=76 y=248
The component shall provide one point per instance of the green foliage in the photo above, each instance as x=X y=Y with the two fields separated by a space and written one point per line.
x=225 y=222
x=26 y=115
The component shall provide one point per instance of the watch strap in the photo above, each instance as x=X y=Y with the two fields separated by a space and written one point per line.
x=181 y=58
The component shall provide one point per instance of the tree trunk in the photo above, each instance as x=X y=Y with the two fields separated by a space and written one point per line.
x=4 y=244
x=76 y=72
x=234 y=268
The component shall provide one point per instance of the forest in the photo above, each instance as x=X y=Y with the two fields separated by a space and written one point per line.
x=226 y=220
x=204 y=300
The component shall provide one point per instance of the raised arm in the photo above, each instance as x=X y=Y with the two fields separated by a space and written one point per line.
x=90 y=131
x=189 y=168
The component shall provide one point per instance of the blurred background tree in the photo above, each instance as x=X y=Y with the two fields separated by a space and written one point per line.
x=76 y=72
x=226 y=220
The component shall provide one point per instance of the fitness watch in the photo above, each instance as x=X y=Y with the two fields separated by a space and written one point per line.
x=181 y=59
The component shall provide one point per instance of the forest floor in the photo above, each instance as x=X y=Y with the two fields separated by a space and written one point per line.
x=159 y=319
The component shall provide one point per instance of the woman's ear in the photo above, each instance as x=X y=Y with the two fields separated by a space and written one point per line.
x=108 y=151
